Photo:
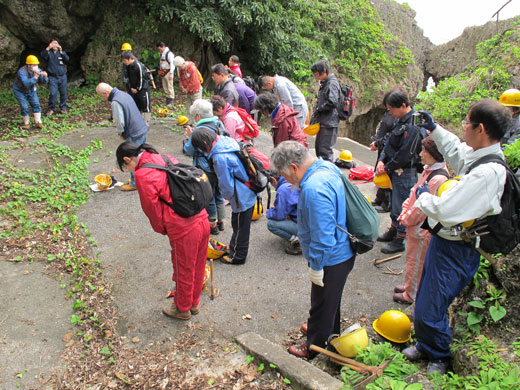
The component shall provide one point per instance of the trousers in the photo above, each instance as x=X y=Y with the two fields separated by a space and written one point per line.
x=58 y=83
x=239 y=244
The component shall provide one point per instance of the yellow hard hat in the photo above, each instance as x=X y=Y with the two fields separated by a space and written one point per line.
x=350 y=343
x=163 y=112
x=312 y=129
x=258 y=211
x=216 y=249
x=446 y=186
x=103 y=181
x=126 y=46
x=383 y=181
x=345 y=155
x=394 y=325
x=182 y=120
x=32 y=60
x=510 y=98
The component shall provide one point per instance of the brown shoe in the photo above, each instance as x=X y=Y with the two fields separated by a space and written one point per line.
x=173 y=312
x=400 y=298
x=399 y=288
x=300 y=351
x=50 y=113
x=39 y=125
x=195 y=310
x=128 y=187
x=304 y=328
x=26 y=126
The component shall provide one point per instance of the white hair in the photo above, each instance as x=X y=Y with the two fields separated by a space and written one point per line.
x=202 y=107
x=103 y=88
x=178 y=61
x=287 y=153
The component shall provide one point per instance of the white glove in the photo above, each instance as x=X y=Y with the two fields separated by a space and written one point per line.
x=316 y=277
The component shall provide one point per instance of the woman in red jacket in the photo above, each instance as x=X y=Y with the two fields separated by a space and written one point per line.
x=188 y=236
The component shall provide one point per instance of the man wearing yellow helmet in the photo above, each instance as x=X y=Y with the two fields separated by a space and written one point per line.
x=24 y=89
x=511 y=99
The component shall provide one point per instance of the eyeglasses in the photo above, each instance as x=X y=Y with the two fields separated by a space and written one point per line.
x=465 y=122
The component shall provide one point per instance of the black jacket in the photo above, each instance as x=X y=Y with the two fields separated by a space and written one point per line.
x=326 y=111
x=136 y=79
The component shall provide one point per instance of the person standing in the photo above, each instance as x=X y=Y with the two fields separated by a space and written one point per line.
x=224 y=85
x=399 y=160
x=189 y=78
x=326 y=111
x=451 y=262
x=234 y=65
x=138 y=84
x=511 y=99
x=288 y=93
x=130 y=125
x=166 y=70
x=321 y=209
x=56 y=59
x=188 y=236
x=124 y=71
x=24 y=89
x=283 y=118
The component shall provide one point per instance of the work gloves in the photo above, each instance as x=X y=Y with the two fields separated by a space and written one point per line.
x=427 y=121
x=316 y=277
x=422 y=189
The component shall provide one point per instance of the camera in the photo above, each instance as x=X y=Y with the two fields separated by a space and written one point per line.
x=417 y=119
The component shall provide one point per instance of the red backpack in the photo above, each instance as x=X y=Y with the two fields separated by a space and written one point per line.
x=251 y=128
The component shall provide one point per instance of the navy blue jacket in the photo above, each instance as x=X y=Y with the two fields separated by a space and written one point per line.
x=55 y=62
x=135 y=126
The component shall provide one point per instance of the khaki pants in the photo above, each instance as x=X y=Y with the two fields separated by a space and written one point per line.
x=167 y=85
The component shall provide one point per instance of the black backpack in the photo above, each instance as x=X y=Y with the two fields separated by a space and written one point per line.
x=346 y=104
x=255 y=169
x=503 y=228
x=190 y=188
x=251 y=83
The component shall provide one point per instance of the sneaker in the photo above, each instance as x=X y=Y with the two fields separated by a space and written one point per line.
x=173 y=312
x=388 y=236
x=440 y=367
x=395 y=246
x=400 y=298
x=128 y=187
x=293 y=248
x=220 y=226
x=39 y=125
x=413 y=354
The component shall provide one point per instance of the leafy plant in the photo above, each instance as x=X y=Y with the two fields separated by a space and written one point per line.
x=493 y=306
x=512 y=154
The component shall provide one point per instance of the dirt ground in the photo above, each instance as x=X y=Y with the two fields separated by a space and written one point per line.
x=269 y=295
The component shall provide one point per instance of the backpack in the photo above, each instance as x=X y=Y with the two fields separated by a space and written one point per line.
x=254 y=163
x=503 y=228
x=346 y=104
x=251 y=83
x=251 y=128
x=190 y=188
x=361 y=173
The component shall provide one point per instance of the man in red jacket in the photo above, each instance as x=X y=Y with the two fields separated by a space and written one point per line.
x=283 y=118
x=189 y=78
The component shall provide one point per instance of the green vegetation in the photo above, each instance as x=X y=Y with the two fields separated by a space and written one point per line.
x=487 y=79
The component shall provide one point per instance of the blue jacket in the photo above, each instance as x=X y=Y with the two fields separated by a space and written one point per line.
x=55 y=62
x=320 y=208
x=286 y=202
x=25 y=81
x=201 y=159
x=230 y=172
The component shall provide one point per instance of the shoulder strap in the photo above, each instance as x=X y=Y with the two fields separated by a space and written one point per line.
x=437 y=172
x=487 y=159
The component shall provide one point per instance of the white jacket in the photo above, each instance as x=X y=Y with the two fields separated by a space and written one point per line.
x=476 y=195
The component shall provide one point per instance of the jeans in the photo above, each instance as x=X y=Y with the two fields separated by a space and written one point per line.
x=401 y=186
x=58 y=83
x=214 y=209
x=27 y=96
x=138 y=141
x=285 y=229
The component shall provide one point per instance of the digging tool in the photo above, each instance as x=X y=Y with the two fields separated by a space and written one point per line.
x=213 y=292
x=379 y=262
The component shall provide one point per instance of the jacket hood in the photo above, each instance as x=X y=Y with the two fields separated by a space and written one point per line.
x=283 y=113
x=224 y=145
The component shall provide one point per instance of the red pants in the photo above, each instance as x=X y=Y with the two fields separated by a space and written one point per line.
x=189 y=254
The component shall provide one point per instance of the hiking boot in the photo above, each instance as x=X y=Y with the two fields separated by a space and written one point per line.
x=382 y=209
x=395 y=246
x=399 y=288
x=440 y=367
x=304 y=328
x=220 y=226
x=390 y=234
x=39 y=125
x=128 y=187
x=173 y=312
x=293 y=248
x=214 y=230
x=300 y=351
x=413 y=354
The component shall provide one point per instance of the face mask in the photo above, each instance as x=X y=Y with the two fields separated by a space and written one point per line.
x=34 y=68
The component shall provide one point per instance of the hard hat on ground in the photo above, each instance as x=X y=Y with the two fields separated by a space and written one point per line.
x=163 y=112
x=394 y=325
x=350 y=342
x=383 y=181
x=32 y=60
x=103 y=181
x=257 y=211
x=216 y=249
x=312 y=129
x=510 y=98
x=126 y=46
x=345 y=155
x=178 y=61
x=182 y=120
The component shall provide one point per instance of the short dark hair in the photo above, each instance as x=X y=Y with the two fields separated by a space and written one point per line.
x=495 y=117
x=235 y=58
x=202 y=139
x=266 y=102
x=218 y=102
x=129 y=149
x=321 y=67
x=263 y=80
x=219 y=69
x=126 y=55
x=395 y=97
x=161 y=44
